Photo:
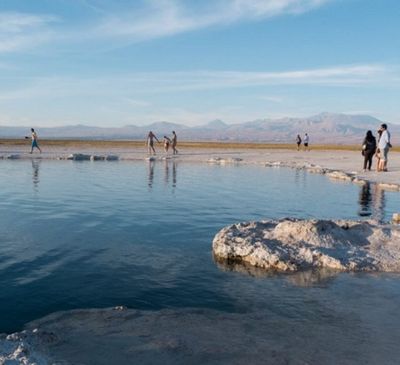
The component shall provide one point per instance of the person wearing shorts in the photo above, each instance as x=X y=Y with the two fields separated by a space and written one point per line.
x=34 y=141
x=384 y=145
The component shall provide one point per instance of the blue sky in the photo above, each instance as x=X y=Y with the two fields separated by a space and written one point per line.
x=112 y=63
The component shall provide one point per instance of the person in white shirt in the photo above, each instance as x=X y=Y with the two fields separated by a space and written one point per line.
x=306 y=141
x=384 y=145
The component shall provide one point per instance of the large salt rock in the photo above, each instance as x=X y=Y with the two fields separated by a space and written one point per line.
x=291 y=245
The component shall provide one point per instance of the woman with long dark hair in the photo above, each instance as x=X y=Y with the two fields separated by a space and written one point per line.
x=368 y=150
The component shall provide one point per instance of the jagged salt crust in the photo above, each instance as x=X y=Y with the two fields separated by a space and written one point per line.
x=293 y=244
x=22 y=348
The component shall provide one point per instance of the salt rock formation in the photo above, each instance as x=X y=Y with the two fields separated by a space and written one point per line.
x=292 y=244
x=21 y=348
x=97 y=158
x=112 y=158
x=78 y=157
x=13 y=157
x=339 y=175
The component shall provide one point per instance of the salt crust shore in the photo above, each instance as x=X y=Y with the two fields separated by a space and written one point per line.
x=119 y=336
x=336 y=165
x=296 y=244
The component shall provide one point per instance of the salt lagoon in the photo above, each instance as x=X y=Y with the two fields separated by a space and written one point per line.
x=78 y=235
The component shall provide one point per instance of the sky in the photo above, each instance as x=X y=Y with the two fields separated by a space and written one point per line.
x=120 y=62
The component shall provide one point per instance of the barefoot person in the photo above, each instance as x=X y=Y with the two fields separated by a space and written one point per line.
x=384 y=145
x=298 y=142
x=34 y=138
x=368 y=150
x=174 y=143
x=167 y=142
x=150 y=142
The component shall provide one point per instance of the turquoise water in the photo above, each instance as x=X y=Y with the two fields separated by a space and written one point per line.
x=83 y=235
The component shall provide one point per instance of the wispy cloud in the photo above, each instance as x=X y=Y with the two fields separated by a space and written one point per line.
x=136 y=103
x=129 y=86
x=178 y=96
x=140 y=21
x=21 y=30
x=164 y=18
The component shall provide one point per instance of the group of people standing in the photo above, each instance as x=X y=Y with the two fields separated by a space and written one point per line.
x=380 y=149
x=305 y=141
x=168 y=142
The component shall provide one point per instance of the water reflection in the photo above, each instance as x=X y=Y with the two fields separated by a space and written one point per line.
x=150 y=174
x=372 y=202
x=174 y=173
x=365 y=200
x=167 y=173
x=35 y=174
x=302 y=278
x=378 y=203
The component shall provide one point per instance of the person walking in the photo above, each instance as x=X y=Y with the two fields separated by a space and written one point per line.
x=34 y=138
x=384 y=145
x=298 y=142
x=306 y=141
x=174 y=142
x=368 y=150
x=167 y=142
x=150 y=142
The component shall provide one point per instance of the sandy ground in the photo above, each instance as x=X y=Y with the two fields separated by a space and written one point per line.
x=347 y=161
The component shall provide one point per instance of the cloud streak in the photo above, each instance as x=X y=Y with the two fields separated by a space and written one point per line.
x=135 y=85
x=150 y=19
x=21 y=30
x=163 y=18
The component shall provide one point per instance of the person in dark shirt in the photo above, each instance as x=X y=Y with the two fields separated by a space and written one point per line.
x=368 y=150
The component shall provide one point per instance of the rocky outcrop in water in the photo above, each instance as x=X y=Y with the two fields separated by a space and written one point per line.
x=292 y=244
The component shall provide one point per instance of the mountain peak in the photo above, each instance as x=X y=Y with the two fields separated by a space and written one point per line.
x=216 y=124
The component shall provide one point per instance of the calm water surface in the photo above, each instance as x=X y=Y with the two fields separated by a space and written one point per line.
x=81 y=235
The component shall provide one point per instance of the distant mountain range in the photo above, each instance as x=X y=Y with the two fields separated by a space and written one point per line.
x=322 y=128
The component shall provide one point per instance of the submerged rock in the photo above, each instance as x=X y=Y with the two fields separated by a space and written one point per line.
x=97 y=158
x=13 y=157
x=78 y=157
x=112 y=158
x=292 y=244
x=22 y=349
